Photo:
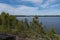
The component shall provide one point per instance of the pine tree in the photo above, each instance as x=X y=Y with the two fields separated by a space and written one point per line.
x=3 y=14
x=37 y=28
x=52 y=34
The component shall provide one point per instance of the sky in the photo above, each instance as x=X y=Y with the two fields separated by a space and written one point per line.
x=30 y=7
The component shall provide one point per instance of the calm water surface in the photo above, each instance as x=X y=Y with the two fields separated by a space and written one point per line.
x=48 y=22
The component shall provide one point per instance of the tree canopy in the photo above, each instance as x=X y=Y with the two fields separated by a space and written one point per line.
x=34 y=29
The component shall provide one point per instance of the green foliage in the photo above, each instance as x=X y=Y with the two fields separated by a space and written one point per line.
x=52 y=34
x=34 y=29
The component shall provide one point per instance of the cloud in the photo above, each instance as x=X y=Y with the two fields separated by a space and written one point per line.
x=56 y=5
x=48 y=3
x=20 y=10
x=41 y=3
x=25 y=10
x=32 y=3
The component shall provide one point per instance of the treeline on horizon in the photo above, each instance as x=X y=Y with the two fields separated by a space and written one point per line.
x=37 y=15
x=9 y=24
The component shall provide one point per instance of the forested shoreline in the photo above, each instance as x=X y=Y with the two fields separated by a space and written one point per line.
x=9 y=24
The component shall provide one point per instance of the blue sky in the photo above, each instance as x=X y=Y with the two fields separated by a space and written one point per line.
x=30 y=7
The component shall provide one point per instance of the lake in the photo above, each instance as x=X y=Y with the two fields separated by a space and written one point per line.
x=47 y=22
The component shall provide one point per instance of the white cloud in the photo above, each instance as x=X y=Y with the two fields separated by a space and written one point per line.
x=25 y=10
x=47 y=3
x=50 y=12
x=56 y=5
x=20 y=10
x=38 y=3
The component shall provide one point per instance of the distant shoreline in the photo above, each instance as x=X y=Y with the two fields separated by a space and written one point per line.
x=37 y=15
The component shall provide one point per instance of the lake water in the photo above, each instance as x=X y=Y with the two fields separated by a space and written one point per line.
x=48 y=22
